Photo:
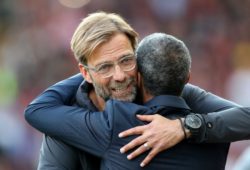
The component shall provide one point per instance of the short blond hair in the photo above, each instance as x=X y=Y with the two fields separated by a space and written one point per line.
x=97 y=28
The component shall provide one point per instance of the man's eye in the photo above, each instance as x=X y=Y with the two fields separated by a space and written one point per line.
x=126 y=61
x=104 y=68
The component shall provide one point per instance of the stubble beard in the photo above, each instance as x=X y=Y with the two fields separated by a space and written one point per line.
x=105 y=92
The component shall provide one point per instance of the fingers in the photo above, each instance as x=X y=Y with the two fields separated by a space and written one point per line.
x=160 y=134
x=146 y=118
x=143 y=148
x=136 y=142
x=133 y=131
x=150 y=156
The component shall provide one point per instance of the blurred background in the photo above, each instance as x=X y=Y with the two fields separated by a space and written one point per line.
x=35 y=53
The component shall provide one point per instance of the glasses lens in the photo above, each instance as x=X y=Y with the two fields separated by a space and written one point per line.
x=127 y=63
x=107 y=69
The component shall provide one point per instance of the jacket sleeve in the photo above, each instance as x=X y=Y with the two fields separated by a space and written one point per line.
x=56 y=155
x=75 y=126
x=223 y=120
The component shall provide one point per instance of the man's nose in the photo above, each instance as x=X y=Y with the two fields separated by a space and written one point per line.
x=119 y=74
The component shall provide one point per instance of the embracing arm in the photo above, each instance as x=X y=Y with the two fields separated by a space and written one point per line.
x=227 y=126
x=223 y=121
x=49 y=114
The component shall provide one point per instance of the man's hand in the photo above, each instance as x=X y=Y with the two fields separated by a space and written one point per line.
x=160 y=134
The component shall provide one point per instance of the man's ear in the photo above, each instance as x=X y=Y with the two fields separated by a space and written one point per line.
x=85 y=73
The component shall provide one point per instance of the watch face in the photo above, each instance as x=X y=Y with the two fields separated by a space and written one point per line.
x=193 y=121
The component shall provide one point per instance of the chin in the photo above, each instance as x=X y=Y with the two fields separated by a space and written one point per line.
x=126 y=98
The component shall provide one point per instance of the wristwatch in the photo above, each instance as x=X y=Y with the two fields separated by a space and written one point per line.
x=193 y=123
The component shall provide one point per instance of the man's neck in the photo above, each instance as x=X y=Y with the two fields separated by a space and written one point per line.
x=97 y=100
x=146 y=96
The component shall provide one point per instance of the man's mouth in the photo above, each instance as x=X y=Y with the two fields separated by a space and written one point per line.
x=120 y=90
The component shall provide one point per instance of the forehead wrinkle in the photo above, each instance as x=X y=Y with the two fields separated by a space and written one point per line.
x=113 y=49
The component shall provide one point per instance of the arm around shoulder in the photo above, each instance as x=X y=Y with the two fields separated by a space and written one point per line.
x=223 y=120
x=61 y=93
x=228 y=125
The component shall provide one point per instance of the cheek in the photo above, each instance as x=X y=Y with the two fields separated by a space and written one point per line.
x=135 y=72
x=134 y=75
x=102 y=82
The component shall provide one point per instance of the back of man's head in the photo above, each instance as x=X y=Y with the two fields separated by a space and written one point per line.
x=164 y=63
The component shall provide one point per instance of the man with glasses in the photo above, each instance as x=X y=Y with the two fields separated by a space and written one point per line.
x=107 y=69
x=106 y=38
x=156 y=53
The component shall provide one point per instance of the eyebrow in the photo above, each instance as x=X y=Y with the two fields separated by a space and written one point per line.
x=123 y=56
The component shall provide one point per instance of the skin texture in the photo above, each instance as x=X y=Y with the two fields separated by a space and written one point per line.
x=122 y=85
x=160 y=134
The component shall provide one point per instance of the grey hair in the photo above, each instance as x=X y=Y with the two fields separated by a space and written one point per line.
x=164 y=63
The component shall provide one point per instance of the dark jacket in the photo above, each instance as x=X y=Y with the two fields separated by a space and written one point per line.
x=46 y=110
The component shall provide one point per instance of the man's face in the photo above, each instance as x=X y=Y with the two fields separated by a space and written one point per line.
x=121 y=85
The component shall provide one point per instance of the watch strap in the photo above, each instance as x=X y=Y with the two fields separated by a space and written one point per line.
x=183 y=128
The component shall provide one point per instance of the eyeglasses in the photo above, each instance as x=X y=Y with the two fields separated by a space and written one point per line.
x=107 y=69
